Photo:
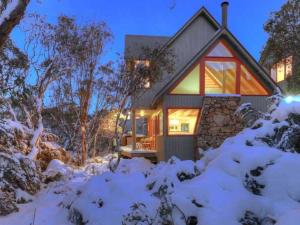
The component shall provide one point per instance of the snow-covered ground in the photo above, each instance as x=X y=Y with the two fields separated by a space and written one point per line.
x=245 y=181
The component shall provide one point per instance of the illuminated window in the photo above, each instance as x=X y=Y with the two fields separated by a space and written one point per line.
x=249 y=85
x=141 y=63
x=182 y=121
x=280 y=72
x=220 y=51
x=161 y=122
x=221 y=74
x=190 y=84
x=283 y=69
x=288 y=64
x=220 y=77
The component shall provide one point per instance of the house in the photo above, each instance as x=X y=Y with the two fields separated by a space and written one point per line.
x=194 y=107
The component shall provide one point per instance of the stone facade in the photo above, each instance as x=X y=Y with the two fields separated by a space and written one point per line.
x=218 y=121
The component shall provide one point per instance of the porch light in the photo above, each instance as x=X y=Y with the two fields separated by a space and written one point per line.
x=142 y=113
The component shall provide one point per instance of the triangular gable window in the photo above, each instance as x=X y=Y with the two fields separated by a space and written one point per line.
x=249 y=85
x=220 y=51
x=190 y=84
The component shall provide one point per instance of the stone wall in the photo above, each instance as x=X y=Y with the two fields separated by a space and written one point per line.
x=218 y=121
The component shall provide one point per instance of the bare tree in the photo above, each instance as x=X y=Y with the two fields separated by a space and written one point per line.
x=11 y=12
x=130 y=79
x=85 y=49
x=45 y=44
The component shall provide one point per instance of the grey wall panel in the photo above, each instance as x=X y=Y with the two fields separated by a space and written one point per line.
x=179 y=146
x=192 y=101
x=160 y=148
x=185 y=47
x=258 y=102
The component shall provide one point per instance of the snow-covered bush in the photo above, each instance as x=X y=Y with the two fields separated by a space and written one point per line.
x=18 y=174
x=251 y=179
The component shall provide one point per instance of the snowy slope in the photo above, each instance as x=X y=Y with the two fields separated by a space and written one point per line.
x=252 y=179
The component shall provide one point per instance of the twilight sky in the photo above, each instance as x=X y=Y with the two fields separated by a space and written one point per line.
x=161 y=17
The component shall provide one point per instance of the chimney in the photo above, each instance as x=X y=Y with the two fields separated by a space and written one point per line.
x=224 y=6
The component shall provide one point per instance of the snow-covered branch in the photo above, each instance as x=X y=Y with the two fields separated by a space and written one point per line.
x=10 y=17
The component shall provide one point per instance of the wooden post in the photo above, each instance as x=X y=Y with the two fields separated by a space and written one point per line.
x=133 y=129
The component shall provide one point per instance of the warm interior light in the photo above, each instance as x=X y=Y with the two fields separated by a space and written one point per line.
x=142 y=113
x=174 y=122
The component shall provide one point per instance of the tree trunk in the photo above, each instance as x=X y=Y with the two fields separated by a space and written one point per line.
x=38 y=132
x=83 y=144
x=10 y=17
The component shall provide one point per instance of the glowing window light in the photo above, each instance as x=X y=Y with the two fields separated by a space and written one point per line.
x=174 y=122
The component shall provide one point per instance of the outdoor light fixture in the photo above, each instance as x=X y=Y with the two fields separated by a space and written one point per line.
x=142 y=113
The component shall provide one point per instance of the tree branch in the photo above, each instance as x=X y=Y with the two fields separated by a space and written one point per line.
x=10 y=17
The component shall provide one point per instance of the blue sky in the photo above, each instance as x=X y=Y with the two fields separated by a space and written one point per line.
x=160 y=17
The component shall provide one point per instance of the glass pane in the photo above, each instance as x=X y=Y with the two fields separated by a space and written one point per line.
x=220 y=51
x=182 y=121
x=280 y=71
x=220 y=77
x=161 y=122
x=190 y=84
x=249 y=85
x=289 y=66
x=273 y=72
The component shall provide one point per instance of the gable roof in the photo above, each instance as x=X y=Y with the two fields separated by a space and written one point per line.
x=201 y=12
x=238 y=47
x=134 y=44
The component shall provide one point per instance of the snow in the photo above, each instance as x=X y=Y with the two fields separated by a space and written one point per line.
x=128 y=148
x=9 y=9
x=285 y=108
x=223 y=187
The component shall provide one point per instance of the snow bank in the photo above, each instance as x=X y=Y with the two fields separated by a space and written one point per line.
x=285 y=108
x=252 y=179
x=245 y=181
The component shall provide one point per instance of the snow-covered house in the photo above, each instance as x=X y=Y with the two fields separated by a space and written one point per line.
x=194 y=107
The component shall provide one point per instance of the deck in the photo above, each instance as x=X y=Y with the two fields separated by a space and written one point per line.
x=127 y=152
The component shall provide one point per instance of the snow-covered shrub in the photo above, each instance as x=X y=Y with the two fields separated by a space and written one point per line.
x=250 y=218
x=17 y=173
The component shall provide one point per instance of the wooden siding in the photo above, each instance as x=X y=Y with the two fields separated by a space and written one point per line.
x=258 y=102
x=184 y=47
x=179 y=146
x=183 y=146
x=160 y=148
x=193 y=101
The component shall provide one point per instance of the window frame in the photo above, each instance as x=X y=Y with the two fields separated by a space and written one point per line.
x=183 y=108
x=201 y=63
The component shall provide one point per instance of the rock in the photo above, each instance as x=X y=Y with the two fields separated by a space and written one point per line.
x=49 y=150
x=218 y=122
x=52 y=178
